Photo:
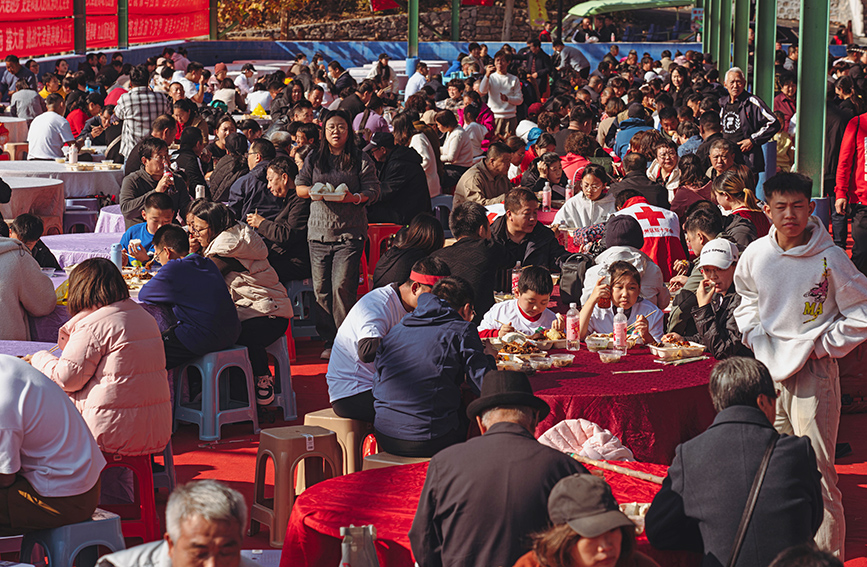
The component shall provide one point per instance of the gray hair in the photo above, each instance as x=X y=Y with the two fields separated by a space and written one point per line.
x=739 y=381
x=280 y=138
x=212 y=500
x=737 y=70
x=522 y=415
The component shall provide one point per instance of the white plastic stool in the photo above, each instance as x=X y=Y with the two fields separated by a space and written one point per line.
x=284 y=395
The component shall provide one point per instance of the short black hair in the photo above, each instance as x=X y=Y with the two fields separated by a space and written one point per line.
x=498 y=150
x=467 y=218
x=28 y=228
x=138 y=76
x=455 y=291
x=805 y=555
x=707 y=220
x=738 y=381
x=430 y=266
x=787 y=183
x=536 y=279
x=310 y=130
x=190 y=137
x=634 y=161
x=151 y=146
x=249 y=124
x=621 y=198
x=264 y=148
x=446 y=118
x=164 y=121
x=53 y=99
x=667 y=112
x=517 y=197
x=284 y=166
x=159 y=201
x=174 y=237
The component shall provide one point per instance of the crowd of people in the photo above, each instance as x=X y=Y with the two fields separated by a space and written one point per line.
x=654 y=163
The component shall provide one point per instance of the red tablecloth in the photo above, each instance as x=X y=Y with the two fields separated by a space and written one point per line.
x=651 y=412
x=388 y=498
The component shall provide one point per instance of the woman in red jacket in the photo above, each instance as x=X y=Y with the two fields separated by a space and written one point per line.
x=851 y=186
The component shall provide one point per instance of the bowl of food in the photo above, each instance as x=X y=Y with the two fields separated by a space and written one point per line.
x=609 y=356
x=60 y=160
x=674 y=351
x=561 y=360
x=515 y=365
x=541 y=363
x=595 y=343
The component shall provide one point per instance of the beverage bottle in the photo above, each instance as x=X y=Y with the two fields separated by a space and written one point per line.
x=115 y=255
x=620 y=331
x=546 y=197
x=88 y=143
x=604 y=302
x=200 y=191
x=573 y=339
x=570 y=190
x=73 y=154
x=516 y=275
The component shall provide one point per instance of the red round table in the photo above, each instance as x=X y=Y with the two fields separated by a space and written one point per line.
x=388 y=498
x=651 y=412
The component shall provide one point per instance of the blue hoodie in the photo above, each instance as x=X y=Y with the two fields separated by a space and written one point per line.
x=420 y=365
x=628 y=128
x=197 y=293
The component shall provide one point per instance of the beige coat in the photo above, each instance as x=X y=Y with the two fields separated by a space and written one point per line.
x=24 y=289
x=480 y=185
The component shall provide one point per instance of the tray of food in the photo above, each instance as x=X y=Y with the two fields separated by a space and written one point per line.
x=674 y=351
x=328 y=192
x=601 y=341
x=135 y=278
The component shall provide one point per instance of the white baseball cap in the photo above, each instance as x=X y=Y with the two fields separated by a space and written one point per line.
x=719 y=253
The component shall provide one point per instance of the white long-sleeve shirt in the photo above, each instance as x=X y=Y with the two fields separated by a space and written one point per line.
x=496 y=85
x=423 y=147
x=414 y=84
x=457 y=148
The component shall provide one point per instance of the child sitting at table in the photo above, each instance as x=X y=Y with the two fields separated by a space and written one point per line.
x=622 y=291
x=28 y=229
x=527 y=312
x=158 y=211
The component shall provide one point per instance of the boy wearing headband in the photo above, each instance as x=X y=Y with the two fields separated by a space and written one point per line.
x=350 y=370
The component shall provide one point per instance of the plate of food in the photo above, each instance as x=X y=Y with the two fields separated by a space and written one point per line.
x=328 y=192
x=604 y=341
x=674 y=351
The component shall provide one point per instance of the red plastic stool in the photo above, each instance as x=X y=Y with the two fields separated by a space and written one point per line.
x=138 y=519
x=369 y=446
x=377 y=233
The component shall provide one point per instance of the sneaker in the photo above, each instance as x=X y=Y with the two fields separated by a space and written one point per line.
x=326 y=354
x=264 y=390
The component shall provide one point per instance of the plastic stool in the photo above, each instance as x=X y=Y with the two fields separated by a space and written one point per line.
x=143 y=523
x=365 y=276
x=63 y=544
x=284 y=395
x=16 y=150
x=76 y=216
x=350 y=434
x=300 y=292
x=290 y=343
x=91 y=203
x=288 y=447
x=384 y=460
x=217 y=408
x=165 y=478
x=378 y=233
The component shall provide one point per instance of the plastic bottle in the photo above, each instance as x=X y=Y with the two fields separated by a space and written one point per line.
x=116 y=255
x=573 y=338
x=546 y=197
x=73 y=154
x=200 y=191
x=516 y=275
x=620 y=331
x=570 y=190
x=604 y=302
x=88 y=143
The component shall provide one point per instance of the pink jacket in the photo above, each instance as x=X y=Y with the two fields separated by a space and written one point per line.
x=113 y=368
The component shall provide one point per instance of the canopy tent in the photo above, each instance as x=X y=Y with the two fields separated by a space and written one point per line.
x=594 y=7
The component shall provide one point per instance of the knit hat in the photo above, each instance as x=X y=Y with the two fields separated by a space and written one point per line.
x=220 y=67
x=623 y=230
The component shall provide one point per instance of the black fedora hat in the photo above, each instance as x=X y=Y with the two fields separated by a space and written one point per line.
x=506 y=388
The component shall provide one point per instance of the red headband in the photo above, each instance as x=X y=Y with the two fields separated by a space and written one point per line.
x=424 y=279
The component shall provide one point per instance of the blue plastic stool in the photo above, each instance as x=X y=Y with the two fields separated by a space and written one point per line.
x=79 y=216
x=166 y=477
x=63 y=544
x=284 y=395
x=217 y=408
x=301 y=295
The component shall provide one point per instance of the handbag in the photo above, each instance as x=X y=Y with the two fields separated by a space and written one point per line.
x=751 y=500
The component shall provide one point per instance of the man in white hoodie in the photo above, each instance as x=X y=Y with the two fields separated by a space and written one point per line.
x=804 y=305
x=504 y=95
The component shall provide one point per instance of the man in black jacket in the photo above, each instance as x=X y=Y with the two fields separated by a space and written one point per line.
x=746 y=120
x=355 y=103
x=402 y=179
x=635 y=166
x=250 y=194
x=703 y=497
x=482 y=499
x=188 y=159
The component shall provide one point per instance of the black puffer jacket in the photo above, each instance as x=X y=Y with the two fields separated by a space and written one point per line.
x=228 y=170
x=717 y=329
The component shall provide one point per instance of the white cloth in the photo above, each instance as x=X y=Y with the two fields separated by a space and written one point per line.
x=809 y=299
x=256 y=98
x=372 y=317
x=602 y=320
x=414 y=84
x=48 y=133
x=476 y=133
x=586 y=439
x=423 y=147
x=508 y=312
x=244 y=84
x=42 y=435
x=523 y=129
x=191 y=89
x=227 y=96
x=457 y=148
x=496 y=85
x=653 y=286
x=580 y=212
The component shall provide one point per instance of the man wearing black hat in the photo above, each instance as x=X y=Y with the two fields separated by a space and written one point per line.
x=482 y=499
x=402 y=178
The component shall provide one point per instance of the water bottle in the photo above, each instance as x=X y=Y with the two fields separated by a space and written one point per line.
x=604 y=302
x=573 y=323
x=516 y=275
x=620 y=331
x=570 y=190
x=73 y=154
x=88 y=143
x=546 y=197
x=116 y=254
x=200 y=191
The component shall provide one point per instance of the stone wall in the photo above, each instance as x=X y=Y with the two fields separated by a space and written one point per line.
x=478 y=23
x=841 y=11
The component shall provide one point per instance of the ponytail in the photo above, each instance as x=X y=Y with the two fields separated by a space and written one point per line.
x=750 y=200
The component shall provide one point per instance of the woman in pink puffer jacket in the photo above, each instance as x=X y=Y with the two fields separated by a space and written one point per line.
x=113 y=363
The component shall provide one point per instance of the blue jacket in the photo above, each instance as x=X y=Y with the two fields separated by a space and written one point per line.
x=420 y=366
x=195 y=289
x=250 y=194
x=628 y=128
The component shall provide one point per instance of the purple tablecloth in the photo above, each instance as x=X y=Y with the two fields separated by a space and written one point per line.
x=21 y=348
x=46 y=328
x=110 y=220
x=70 y=249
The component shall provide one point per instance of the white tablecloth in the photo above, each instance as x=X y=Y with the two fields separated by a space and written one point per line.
x=17 y=128
x=75 y=183
x=41 y=197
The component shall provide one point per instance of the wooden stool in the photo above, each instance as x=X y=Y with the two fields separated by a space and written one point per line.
x=350 y=435
x=384 y=460
x=288 y=447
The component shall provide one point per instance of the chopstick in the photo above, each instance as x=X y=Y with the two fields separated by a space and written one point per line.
x=638 y=371
x=54 y=348
x=632 y=326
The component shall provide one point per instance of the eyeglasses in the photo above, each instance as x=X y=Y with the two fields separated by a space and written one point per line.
x=197 y=231
x=594 y=187
x=339 y=128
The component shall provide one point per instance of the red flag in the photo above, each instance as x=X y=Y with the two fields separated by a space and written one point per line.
x=378 y=5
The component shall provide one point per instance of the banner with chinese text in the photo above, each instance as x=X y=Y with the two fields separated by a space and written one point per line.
x=34 y=9
x=101 y=31
x=152 y=7
x=143 y=29
x=36 y=37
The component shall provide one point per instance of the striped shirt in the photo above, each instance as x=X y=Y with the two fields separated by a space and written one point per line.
x=138 y=108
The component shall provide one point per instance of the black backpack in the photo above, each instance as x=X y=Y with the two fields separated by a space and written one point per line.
x=572 y=272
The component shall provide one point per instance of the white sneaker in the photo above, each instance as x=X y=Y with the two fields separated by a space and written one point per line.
x=326 y=354
x=264 y=390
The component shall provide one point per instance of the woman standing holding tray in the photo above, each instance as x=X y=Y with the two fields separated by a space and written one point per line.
x=336 y=230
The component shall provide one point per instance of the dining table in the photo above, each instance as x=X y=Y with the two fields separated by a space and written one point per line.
x=39 y=196
x=71 y=249
x=75 y=183
x=17 y=127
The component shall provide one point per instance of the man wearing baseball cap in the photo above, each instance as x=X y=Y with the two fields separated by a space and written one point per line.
x=402 y=178
x=482 y=499
x=717 y=300
x=244 y=82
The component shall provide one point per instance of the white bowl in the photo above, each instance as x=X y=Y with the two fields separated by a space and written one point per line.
x=608 y=356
